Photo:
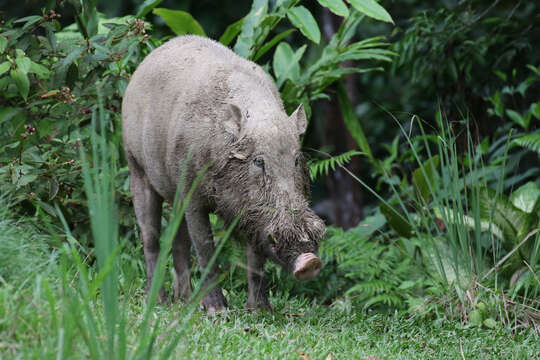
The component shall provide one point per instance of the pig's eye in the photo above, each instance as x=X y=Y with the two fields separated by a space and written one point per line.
x=297 y=160
x=259 y=162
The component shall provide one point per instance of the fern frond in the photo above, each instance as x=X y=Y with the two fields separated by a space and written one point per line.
x=386 y=299
x=371 y=287
x=529 y=141
x=319 y=167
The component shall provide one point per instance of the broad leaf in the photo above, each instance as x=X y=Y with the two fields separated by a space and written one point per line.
x=372 y=9
x=526 y=197
x=231 y=32
x=304 y=21
x=23 y=64
x=338 y=7
x=38 y=69
x=4 y=67
x=3 y=44
x=396 y=220
x=286 y=63
x=282 y=64
x=146 y=7
x=246 y=40
x=22 y=82
x=425 y=177
x=519 y=119
x=369 y=225
x=180 y=22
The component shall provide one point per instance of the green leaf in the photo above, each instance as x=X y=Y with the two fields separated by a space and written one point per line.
x=396 y=220
x=246 y=40
x=371 y=224
x=283 y=61
x=476 y=318
x=518 y=118
x=23 y=64
x=424 y=180
x=39 y=70
x=372 y=9
x=286 y=63
x=29 y=21
x=271 y=43
x=304 y=21
x=231 y=32
x=146 y=7
x=338 y=7
x=22 y=82
x=3 y=44
x=490 y=323
x=526 y=197
x=26 y=179
x=180 y=22
x=4 y=67
x=351 y=121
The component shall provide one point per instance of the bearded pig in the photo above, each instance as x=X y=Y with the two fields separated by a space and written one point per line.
x=194 y=95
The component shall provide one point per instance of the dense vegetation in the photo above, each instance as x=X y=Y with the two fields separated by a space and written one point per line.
x=439 y=111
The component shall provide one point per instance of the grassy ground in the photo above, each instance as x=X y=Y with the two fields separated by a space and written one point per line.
x=297 y=330
x=42 y=313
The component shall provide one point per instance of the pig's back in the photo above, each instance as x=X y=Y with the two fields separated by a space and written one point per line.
x=173 y=102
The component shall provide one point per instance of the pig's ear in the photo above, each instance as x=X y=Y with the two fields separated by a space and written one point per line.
x=299 y=116
x=234 y=121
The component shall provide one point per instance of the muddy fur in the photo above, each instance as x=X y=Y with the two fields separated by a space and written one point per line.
x=284 y=217
x=195 y=95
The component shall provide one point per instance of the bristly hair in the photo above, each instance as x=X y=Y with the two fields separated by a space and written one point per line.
x=285 y=217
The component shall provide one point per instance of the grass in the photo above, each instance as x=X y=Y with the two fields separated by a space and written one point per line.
x=297 y=330
x=37 y=320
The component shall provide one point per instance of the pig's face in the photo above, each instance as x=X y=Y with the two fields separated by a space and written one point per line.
x=265 y=181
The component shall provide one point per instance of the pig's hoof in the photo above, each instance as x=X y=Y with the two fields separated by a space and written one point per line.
x=214 y=302
x=307 y=266
x=215 y=311
x=259 y=306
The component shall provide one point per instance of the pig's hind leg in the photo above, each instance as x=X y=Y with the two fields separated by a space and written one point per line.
x=201 y=235
x=181 y=253
x=147 y=204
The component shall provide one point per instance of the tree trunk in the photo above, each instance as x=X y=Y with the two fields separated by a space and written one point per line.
x=345 y=208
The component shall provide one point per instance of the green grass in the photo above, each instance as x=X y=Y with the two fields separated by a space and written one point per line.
x=37 y=320
x=296 y=328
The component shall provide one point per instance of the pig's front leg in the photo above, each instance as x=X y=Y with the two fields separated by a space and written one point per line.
x=257 y=292
x=201 y=236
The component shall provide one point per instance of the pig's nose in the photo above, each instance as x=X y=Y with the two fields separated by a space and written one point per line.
x=307 y=266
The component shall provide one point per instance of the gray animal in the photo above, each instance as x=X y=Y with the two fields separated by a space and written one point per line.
x=194 y=93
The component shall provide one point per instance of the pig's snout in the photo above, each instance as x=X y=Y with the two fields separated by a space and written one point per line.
x=307 y=266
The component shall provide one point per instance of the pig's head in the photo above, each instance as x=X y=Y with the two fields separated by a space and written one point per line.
x=262 y=177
